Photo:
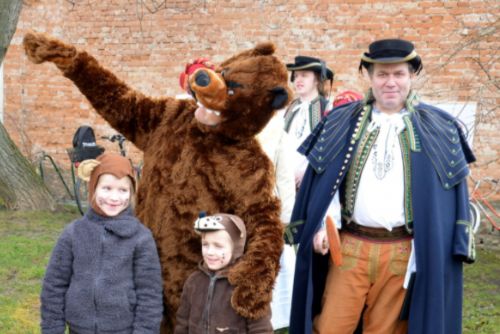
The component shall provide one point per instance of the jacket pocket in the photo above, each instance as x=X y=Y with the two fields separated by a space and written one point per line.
x=70 y=301
x=114 y=311
x=400 y=253
x=76 y=304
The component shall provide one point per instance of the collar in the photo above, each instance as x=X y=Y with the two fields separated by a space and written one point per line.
x=383 y=120
x=411 y=101
x=315 y=100
x=222 y=273
x=124 y=224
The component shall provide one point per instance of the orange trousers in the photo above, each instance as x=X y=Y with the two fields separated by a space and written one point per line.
x=372 y=274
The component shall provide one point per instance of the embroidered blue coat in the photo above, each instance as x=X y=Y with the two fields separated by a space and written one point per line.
x=436 y=208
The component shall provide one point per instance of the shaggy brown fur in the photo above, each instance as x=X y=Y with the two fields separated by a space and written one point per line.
x=189 y=167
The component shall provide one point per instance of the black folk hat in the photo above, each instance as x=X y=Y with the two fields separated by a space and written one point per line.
x=305 y=63
x=391 y=51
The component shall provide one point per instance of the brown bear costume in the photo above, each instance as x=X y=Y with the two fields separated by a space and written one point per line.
x=189 y=166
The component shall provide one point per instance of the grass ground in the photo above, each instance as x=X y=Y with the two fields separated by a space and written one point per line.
x=27 y=238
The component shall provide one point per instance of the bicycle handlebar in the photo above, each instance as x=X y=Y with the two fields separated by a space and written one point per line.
x=120 y=139
x=116 y=137
x=492 y=182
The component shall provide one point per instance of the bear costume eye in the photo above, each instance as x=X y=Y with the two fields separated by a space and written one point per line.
x=231 y=85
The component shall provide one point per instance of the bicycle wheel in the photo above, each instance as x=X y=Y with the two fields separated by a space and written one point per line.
x=81 y=195
x=475 y=217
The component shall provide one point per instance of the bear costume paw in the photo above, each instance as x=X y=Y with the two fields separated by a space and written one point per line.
x=40 y=48
x=250 y=298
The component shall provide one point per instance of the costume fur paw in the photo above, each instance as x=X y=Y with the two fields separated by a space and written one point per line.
x=191 y=167
x=40 y=48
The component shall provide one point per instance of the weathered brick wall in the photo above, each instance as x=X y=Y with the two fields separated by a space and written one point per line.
x=458 y=41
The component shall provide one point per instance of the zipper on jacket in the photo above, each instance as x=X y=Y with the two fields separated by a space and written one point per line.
x=208 y=304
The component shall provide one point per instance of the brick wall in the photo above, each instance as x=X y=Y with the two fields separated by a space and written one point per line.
x=458 y=41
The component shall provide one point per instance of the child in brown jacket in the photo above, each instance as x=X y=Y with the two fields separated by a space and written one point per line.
x=206 y=297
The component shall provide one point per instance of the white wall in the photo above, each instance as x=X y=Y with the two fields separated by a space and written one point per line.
x=465 y=111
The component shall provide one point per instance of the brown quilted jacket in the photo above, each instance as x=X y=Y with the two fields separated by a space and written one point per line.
x=206 y=307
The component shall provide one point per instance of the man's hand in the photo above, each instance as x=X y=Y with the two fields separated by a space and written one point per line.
x=320 y=242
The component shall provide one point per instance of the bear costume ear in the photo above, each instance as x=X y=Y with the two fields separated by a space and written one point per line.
x=280 y=97
x=264 y=49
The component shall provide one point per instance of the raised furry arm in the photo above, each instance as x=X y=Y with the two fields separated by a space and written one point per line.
x=131 y=113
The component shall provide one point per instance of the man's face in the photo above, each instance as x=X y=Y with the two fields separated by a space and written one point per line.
x=391 y=85
x=305 y=83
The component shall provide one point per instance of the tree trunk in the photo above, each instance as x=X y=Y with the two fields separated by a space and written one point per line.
x=9 y=14
x=20 y=187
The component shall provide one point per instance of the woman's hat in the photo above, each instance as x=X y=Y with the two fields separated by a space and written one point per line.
x=305 y=63
x=391 y=51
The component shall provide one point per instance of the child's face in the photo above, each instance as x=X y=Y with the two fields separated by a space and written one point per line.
x=112 y=195
x=217 y=249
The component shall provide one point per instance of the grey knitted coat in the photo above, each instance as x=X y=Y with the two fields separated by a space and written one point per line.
x=104 y=276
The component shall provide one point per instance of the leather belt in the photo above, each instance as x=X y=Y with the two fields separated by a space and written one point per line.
x=376 y=234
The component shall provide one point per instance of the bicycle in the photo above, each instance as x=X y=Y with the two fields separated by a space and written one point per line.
x=78 y=153
x=480 y=206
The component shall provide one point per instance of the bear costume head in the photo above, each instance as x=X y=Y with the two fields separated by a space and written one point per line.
x=245 y=103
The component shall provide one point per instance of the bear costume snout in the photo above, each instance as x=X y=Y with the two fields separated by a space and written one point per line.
x=209 y=88
x=202 y=79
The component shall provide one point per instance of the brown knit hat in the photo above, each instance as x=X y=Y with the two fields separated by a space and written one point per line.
x=106 y=163
x=232 y=224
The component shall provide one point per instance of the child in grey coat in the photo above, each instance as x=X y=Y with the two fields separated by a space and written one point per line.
x=104 y=274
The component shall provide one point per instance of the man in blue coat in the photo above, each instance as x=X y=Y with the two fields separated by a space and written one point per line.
x=400 y=167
